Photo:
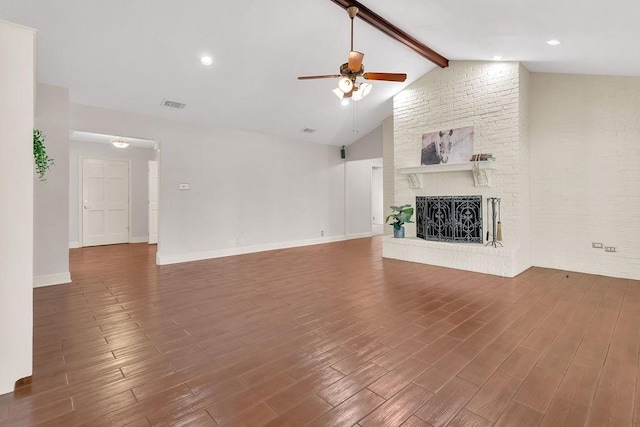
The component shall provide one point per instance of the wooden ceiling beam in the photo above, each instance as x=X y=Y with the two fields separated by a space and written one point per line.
x=394 y=32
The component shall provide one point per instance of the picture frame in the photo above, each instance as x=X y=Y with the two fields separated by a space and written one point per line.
x=447 y=146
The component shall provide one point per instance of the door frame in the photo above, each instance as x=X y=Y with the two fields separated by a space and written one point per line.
x=80 y=188
x=157 y=147
x=381 y=167
x=157 y=161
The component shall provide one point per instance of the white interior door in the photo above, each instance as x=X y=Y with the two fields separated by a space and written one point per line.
x=153 y=201
x=377 y=208
x=105 y=202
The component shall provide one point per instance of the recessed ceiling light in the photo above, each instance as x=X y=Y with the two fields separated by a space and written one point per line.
x=345 y=102
x=206 y=60
x=497 y=58
x=554 y=42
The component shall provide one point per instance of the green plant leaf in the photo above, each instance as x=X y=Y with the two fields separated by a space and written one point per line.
x=41 y=158
x=401 y=215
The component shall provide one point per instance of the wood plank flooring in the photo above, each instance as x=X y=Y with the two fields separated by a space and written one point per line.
x=327 y=335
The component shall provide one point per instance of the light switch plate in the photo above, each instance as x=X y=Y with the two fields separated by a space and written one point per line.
x=183 y=186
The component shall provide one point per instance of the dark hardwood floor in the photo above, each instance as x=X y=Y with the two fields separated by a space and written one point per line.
x=327 y=335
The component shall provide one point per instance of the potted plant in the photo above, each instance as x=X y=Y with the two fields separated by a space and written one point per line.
x=401 y=215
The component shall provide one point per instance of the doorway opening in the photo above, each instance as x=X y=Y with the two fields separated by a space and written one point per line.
x=113 y=191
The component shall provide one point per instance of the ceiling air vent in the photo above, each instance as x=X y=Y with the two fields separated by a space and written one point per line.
x=172 y=104
x=308 y=130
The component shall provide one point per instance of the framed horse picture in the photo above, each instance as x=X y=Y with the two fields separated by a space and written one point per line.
x=447 y=146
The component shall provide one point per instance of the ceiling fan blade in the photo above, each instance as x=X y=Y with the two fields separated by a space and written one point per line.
x=327 y=76
x=355 y=61
x=389 y=77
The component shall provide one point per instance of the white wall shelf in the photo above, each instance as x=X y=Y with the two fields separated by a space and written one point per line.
x=481 y=174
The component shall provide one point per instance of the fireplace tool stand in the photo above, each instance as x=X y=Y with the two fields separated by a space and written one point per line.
x=493 y=205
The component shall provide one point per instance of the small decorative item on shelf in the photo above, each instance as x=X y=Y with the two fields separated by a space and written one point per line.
x=41 y=158
x=482 y=157
x=401 y=215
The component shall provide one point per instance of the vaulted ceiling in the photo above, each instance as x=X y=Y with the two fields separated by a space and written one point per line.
x=130 y=55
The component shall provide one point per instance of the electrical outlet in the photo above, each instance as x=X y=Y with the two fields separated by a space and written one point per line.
x=321 y=233
x=609 y=248
x=183 y=186
x=595 y=245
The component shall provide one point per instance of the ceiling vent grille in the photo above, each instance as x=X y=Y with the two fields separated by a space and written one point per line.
x=172 y=104
x=308 y=130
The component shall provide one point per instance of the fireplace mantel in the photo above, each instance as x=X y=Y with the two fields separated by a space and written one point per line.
x=481 y=175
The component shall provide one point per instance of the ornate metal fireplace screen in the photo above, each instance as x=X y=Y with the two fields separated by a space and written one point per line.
x=449 y=218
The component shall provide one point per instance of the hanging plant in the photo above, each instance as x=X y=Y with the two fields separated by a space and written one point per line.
x=40 y=156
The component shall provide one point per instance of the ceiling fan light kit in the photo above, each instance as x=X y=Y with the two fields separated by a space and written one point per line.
x=363 y=90
x=352 y=72
x=345 y=85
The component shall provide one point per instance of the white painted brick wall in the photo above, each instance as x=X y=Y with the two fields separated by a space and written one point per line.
x=488 y=96
x=478 y=258
x=387 y=169
x=585 y=133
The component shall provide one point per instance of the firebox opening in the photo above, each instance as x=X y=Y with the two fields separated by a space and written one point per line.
x=455 y=219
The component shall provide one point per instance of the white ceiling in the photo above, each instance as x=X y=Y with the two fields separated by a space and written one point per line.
x=130 y=55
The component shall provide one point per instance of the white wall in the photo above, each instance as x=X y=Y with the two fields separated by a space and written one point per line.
x=367 y=147
x=139 y=184
x=362 y=155
x=17 y=55
x=358 y=196
x=248 y=191
x=489 y=97
x=585 y=133
x=51 y=212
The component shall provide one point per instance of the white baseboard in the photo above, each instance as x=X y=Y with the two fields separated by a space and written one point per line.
x=51 y=279
x=143 y=239
x=359 y=235
x=377 y=229
x=197 y=256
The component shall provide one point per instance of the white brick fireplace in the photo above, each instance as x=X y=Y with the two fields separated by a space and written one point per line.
x=493 y=98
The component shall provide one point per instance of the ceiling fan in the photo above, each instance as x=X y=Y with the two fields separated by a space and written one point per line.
x=349 y=86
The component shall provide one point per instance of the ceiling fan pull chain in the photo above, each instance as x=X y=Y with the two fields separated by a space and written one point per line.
x=355 y=117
